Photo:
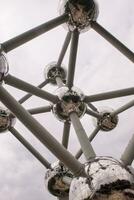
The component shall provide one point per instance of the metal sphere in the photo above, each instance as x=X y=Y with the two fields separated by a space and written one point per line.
x=54 y=180
x=52 y=71
x=104 y=174
x=81 y=13
x=3 y=66
x=107 y=121
x=7 y=120
x=69 y=101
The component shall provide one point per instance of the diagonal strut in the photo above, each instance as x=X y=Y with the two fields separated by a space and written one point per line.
x=128 y=155
x=91 y=137
x=30 y=147
x=64 y=49
x=33 y=33
x=22 y=85
x=110 y=38
x=82 y=136
x=66 y=132
x=41 y=133
x=109 y=95
x=27 y=96
x=72 y=59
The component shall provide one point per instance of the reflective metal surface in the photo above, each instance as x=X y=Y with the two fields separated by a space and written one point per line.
x=106 y=121
x=81 y=13
x=70 y=101
x=54 y=180
x=103 y=174
x=52 y=71
x=6 y=120
x=3 y=66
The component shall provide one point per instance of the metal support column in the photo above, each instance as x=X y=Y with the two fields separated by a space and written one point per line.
x=30 y=148
x=27 y=96
x=33 y=33
x=90 y=105
x=91 y=137
x=110 y=38
x=40 y=110
x=66 y=132
x=64 y=49
x=41 y=133
x=123 y=108
x=92 y=113
x=72 y=59
x=110 y=95
x=82 y=136
x=128 y=155
x=22 y=85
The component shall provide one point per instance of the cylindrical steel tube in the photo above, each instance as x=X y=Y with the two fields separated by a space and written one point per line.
x=82 y=136
x=41 y=133
x=128 y=155
x=33 y=33
x=115 y=42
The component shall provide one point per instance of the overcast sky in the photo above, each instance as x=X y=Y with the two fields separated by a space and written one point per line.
x=99 y=68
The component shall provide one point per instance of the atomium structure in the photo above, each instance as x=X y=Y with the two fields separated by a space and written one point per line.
x=68 y=178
